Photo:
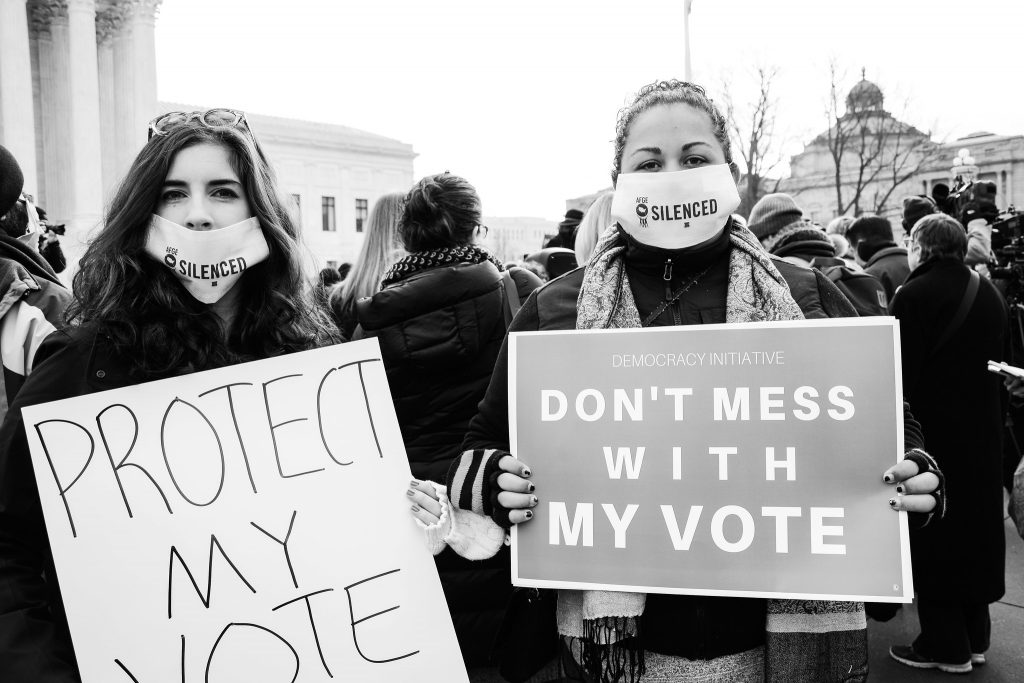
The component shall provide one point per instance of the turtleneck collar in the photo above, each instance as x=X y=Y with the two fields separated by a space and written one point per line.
x=678 y=263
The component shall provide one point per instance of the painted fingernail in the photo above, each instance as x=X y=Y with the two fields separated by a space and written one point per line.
x=899 y=489
x=414 y=483
x=415 y=508
x=892 y=502
x=888 y=479
x=529 y=514
x=408 y=493
x=526 y=472
x=533 y=500
x=531 y=488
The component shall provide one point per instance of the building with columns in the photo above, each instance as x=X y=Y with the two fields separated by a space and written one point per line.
x=78 y=90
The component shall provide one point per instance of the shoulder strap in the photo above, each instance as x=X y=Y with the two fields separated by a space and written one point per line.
x=512 y=303
x=961 y=313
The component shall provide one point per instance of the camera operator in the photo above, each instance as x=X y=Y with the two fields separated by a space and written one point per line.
x=979 y=229
x=49 y=242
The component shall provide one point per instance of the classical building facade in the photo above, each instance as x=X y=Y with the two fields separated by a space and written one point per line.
x=78 y=89
x=888 y=159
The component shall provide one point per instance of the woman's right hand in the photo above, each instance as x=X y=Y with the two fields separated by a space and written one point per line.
x=516 y=493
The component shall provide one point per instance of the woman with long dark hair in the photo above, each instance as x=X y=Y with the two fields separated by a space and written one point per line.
x=197 y=266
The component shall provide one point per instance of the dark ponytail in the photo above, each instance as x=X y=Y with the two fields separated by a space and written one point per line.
x=440 y=211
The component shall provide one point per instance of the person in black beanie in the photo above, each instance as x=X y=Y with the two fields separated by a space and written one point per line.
x=566 y=236
x=27 y=280
x=872 y=241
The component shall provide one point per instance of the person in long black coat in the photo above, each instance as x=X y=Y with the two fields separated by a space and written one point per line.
x=959 y=560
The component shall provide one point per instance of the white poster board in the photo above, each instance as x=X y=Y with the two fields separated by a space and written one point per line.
x=243 y=524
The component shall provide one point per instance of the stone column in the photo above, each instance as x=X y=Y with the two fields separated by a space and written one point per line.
x=16 y=112
x=49 y=19
x=143 y=23
x=86 y=157
x=134 y=77
x=107 y=24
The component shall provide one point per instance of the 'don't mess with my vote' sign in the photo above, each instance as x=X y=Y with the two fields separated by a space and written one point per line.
x=741 y=460
x=242 y=524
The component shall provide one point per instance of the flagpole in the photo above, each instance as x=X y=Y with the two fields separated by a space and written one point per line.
x=688 y=68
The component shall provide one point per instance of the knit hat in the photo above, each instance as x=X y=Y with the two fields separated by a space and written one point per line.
x=916 y=208
x=803 y=239
x=11 y=180
x=772 y=213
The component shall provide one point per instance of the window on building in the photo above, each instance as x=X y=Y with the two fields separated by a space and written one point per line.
x=362 y=210
x=297 y=201
x=327 y=214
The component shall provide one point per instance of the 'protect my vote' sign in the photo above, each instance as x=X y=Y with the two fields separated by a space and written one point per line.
x=243 y=524
x=739 y=460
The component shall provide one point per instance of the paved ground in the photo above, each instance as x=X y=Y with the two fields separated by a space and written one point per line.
x=1006 y=656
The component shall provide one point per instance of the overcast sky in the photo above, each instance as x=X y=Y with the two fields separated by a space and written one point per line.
x=521 y=97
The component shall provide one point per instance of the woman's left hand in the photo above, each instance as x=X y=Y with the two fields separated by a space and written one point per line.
x=913 y=490
x=425 y=505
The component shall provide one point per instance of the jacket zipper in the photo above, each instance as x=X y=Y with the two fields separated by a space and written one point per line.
x=677 y=318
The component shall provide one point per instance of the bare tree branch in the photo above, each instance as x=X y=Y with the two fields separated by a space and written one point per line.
x=753 y=130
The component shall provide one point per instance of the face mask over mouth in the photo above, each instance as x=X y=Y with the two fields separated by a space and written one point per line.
x=207 y=262
x=675 y=209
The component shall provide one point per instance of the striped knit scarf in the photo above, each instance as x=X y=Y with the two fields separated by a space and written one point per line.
x=605 y=625
x=422 y=260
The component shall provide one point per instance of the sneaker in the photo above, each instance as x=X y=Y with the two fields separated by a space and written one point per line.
x=906 y=654
x=978 y=659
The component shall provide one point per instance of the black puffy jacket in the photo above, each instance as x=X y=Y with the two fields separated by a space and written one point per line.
x=440 y=331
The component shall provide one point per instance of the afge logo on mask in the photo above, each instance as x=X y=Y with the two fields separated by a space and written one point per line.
x=207 y=262
x=675 y=209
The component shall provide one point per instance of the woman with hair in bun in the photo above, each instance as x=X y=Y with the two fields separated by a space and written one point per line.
x=440 y=318
x=199 y=195
x=382 y=246
x=672 y=145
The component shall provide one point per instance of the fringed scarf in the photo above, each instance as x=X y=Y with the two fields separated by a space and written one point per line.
x=604 y=625
x=422 y=260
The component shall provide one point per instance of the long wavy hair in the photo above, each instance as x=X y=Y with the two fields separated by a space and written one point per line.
x=150 y=316
x=382 y=246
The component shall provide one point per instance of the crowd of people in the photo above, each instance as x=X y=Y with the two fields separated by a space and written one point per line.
x=441 y=307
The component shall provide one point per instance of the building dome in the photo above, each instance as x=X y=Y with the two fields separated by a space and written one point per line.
x=865 y=96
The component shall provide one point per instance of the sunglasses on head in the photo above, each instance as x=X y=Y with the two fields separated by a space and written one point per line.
x=211 y=118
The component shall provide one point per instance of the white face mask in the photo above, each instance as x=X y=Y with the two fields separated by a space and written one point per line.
x=675 y=209
x=207 y=262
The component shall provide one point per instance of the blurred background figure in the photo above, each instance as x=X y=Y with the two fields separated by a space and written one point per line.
x=553 y=261
x=324 y=284
x=872 y=242
x=595 y=221
x=49 y=242
x=566 y=237
x=343 y=270
x=382 y=246
x=773 y=216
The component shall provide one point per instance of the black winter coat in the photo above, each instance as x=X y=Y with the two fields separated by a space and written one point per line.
x=440 y=331
x=959 y=405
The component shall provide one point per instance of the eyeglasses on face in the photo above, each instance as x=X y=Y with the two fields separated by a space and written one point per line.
x=211 y=118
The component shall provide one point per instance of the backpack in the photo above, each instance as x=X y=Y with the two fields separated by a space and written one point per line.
x=863 y=290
